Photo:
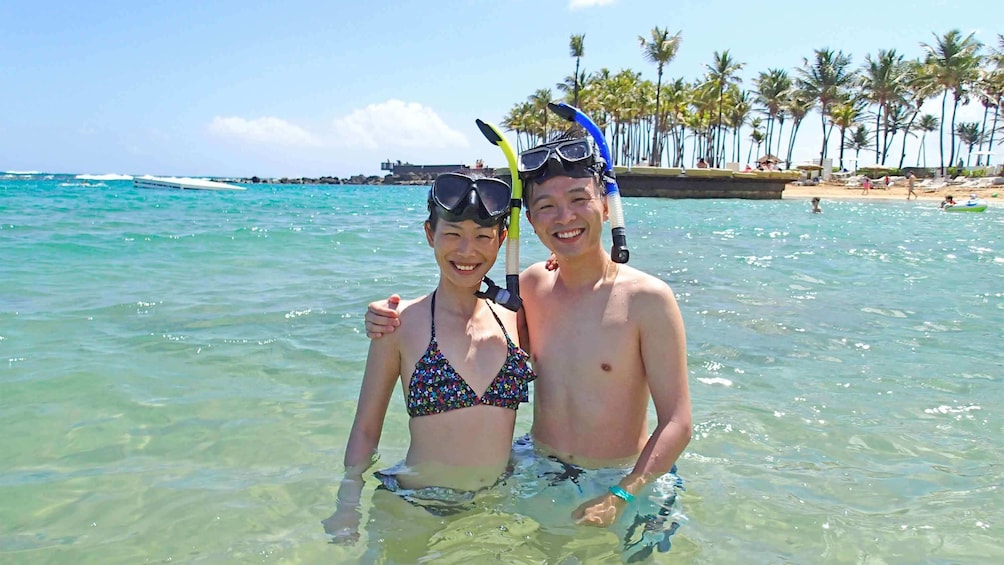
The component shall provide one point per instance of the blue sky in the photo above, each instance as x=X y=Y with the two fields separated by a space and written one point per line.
x=301 y=88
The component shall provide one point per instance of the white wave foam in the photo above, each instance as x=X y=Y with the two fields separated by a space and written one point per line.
x=104 y=177
x=715 y=381
x=23 y=172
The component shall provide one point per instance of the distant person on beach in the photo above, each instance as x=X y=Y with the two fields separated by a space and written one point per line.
x=702 y=164
x=605 y=339
x=459 y=365
x=815 y=206
x=866 y=185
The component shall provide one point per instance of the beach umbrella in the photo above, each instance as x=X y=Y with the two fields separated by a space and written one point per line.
x=768 y=158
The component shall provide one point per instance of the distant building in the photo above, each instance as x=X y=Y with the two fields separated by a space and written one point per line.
x=397 y=168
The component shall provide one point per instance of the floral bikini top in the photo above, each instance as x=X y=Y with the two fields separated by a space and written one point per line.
x=436 y=387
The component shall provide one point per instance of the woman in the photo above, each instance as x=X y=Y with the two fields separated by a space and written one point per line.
x=462 y=375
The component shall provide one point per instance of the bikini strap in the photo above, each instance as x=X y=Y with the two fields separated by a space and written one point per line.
x=434 y=315
x=501 y=325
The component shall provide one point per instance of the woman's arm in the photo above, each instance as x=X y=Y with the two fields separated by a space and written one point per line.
x=383 y=367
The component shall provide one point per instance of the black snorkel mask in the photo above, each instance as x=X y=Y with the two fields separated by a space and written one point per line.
x=459 y=197
x=486 y=201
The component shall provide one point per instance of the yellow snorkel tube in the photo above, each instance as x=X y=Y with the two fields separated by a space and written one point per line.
x=508 y=297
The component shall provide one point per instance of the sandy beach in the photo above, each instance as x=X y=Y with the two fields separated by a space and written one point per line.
x=832 y=191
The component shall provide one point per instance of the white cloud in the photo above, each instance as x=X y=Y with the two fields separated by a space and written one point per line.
x=576 y=4
x=262 y=130
x=395 y=123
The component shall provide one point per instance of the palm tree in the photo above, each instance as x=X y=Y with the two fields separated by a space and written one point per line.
x=826 y=79
x=739 y=111
x=757 y=137
x=882 y=83
x=990 y=89
x=969 y=134
x=518 y=120
x=538 y=101
x=920 y=86
x=575 y=48
x=772 y=89
x=845 y=115
x=995 y=90
x=678 y=96
x=954 y=60
x=798 y=106
x=895 y=121
x=722 y=74
x=927 y=124
x=661 y=49
x=996 y=81
x=859 y=139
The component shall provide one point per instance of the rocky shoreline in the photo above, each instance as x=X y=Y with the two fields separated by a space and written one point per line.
x=391 y=179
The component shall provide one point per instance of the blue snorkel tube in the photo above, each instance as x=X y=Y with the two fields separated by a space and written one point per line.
x=619 y=252
x=507 y=297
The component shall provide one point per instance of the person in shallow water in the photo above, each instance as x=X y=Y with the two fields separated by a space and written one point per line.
x=469 y=373
x=605 y=339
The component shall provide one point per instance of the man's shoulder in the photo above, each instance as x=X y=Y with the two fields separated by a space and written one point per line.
x=534 y=272
x=645 y=292
x=641 y=282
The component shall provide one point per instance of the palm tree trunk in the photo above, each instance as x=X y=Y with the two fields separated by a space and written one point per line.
x=575 y=95
x=780 y=130
x=983 y=132
x=877 y=130
x=993 y=129
x=955 y=108
x=941 y=133
x=822 y=120
x=906 y=134
x=655 y=130
x=885 y=137
x=791 y=141
x=769 y=132
x=843 y=130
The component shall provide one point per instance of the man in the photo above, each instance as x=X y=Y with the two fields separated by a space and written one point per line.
x=910 y=178
x=604 y=339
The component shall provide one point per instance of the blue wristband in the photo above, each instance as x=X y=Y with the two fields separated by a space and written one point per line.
x=622 y=494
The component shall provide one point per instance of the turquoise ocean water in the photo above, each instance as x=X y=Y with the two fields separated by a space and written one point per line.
x=179 y=370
